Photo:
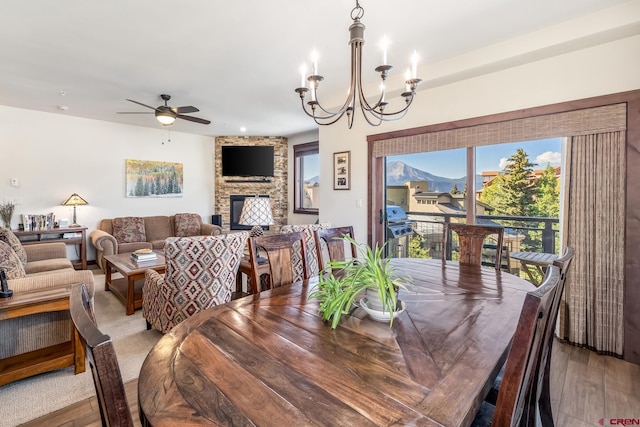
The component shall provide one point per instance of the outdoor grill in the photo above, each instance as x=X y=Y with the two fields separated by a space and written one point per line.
x=397 y=223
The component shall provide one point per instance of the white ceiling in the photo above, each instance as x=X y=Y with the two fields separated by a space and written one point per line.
x=237 y=61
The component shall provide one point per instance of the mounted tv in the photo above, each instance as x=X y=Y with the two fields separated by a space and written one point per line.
x=247 y=160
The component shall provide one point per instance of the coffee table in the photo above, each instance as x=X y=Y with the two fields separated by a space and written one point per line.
x=70 y=353
x=126 y=289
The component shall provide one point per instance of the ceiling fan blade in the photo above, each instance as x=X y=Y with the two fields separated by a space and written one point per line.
x=185 y=109
x=140 y=103
x=194 y=119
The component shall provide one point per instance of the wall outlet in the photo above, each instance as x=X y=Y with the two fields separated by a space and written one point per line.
x=14 y=182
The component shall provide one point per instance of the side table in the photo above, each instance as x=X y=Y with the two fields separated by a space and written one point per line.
x=34 y=237
x=70 y=353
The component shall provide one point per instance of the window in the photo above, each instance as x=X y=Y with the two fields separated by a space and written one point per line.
x=306 y=178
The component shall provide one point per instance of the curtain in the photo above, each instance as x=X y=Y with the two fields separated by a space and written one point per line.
x=591 y=314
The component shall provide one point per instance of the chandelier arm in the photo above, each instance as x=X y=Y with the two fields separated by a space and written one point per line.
x=313 y=115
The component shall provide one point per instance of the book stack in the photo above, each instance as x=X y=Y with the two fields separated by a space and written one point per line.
x=144 y=255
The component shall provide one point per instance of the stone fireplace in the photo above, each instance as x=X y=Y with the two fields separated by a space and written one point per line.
x=275 y=188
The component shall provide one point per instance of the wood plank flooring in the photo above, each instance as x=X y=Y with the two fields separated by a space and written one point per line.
x=585 y=387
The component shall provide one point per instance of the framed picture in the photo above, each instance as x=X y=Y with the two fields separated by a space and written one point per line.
x=342 y=170
x=146 y=178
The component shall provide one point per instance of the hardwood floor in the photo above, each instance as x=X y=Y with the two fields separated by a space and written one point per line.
x=585 y=387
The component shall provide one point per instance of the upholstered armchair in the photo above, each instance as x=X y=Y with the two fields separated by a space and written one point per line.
x=310 y=247
x=201 y=273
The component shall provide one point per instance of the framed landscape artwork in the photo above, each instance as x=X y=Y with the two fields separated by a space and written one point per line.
x=145 y=178
x=342 y=170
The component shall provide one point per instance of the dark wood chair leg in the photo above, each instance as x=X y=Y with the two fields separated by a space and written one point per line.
x=544 y=403
x=148 y=325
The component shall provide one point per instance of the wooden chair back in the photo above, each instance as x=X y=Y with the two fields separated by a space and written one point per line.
x=471 y=240
x=279 y=250
x=543 y=377
x=518 y=397
x=332 y=238
x=112 y=400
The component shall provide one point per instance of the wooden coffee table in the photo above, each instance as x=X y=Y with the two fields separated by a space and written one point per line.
x=70 y=353
x=126 y=289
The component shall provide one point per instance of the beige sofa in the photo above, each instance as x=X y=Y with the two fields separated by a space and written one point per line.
x=46 y=267
x=128 y=234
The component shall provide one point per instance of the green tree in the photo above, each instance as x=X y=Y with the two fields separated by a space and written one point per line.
x=513 y=193
x=548 y=194
x=455 y=190
x=518 y=188
x=417 y=247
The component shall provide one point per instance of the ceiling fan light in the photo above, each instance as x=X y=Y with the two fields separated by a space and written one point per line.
x=165 y=118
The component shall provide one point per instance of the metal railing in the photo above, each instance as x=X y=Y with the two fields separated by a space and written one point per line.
x=535 y=234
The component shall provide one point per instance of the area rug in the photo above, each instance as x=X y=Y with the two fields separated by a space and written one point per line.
x=33 y=397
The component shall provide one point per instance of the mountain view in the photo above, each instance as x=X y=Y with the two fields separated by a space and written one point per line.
x=398 y=173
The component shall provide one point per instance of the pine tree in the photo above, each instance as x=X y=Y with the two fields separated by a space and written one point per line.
x=548 y=194
x=518 y=188
x=455 y=190
x=512 y=193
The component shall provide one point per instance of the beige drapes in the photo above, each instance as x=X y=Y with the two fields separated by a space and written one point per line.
x=591 y=313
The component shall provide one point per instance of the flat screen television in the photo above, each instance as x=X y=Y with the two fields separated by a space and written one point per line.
x=247 y=160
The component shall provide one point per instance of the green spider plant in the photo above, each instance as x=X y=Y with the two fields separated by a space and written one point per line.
x=342 y=281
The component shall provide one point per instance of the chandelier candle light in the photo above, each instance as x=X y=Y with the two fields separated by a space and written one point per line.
x=374 y=114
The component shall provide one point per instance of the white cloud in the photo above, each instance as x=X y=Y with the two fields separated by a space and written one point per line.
x=548 y=157
x=503 y=162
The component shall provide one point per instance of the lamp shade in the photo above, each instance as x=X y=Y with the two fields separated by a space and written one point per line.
x=75 y=200
x=256 y=211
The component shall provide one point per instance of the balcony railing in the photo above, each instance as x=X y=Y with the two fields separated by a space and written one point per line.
x=535 y=234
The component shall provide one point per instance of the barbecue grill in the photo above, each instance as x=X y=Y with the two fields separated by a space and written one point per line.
x=397 y=223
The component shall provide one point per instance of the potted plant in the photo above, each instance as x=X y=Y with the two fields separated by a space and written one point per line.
x=343 y=281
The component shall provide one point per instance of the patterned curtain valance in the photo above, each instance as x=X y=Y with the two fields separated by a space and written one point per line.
x=609 y=118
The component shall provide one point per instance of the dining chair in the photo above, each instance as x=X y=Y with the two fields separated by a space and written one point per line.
x=517 y=402
x=471 y=240
x=544 y=386
x=201 y=273
x=112 y=400
x=332 y=240
x=284 y=266
x=310 y=245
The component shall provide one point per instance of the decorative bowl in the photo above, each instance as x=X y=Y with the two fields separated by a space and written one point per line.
x=380 y=316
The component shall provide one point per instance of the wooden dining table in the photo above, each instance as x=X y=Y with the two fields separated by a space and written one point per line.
x=269 y=359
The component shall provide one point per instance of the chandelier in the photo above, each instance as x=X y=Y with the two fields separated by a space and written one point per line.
x=374 y=114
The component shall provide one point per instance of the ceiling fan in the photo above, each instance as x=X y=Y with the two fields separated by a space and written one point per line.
x=167 y=115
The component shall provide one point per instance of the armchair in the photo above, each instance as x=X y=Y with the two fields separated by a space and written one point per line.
x=35 y=332
x=201 y=273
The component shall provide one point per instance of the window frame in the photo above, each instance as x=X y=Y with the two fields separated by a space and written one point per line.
x=299 y=152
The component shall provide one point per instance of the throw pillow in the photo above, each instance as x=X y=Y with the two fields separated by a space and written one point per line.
x=129 y=229
x=10 y=263
x=187 y=224
x=12 y=240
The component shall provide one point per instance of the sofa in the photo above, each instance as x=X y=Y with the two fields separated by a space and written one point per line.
x=31 y=268
x=128 y=234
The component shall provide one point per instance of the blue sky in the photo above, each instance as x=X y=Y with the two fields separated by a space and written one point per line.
x=452 y=163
